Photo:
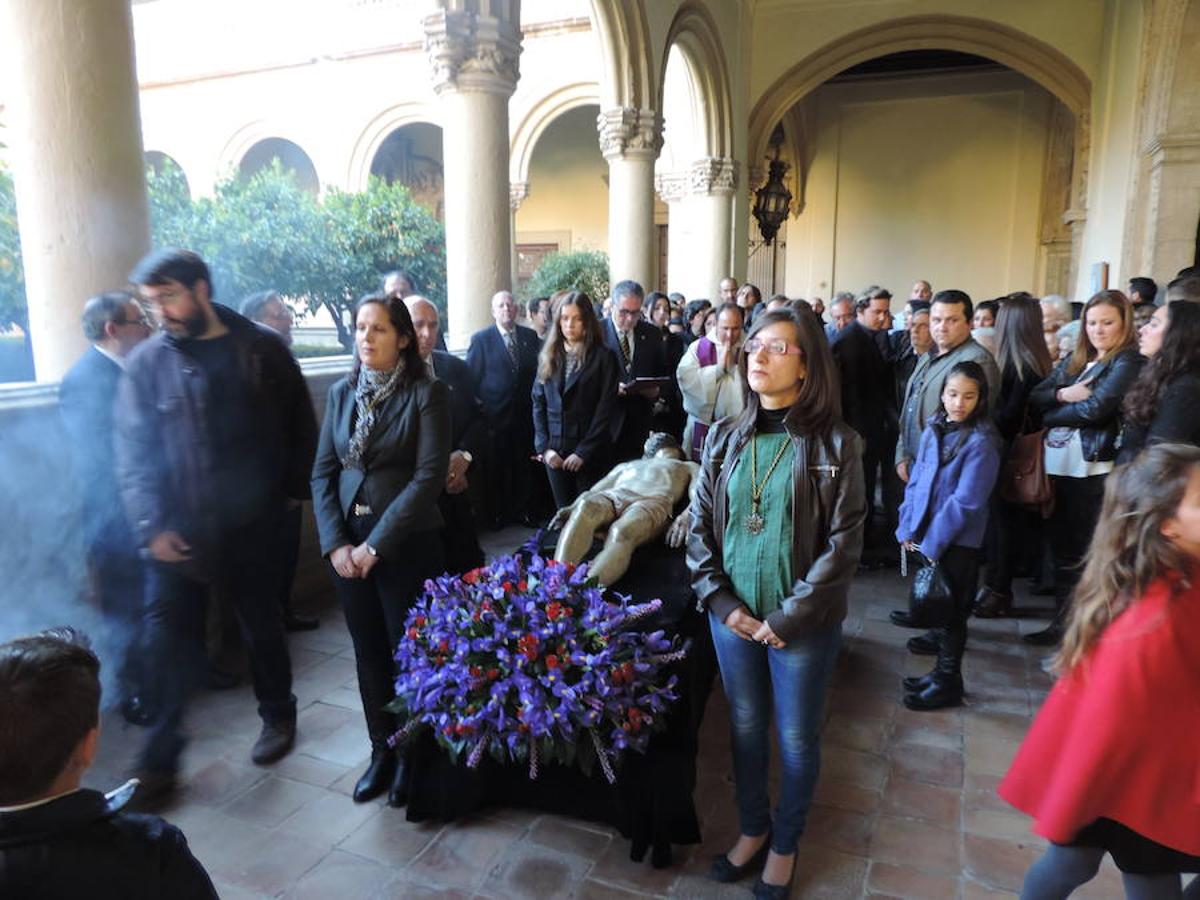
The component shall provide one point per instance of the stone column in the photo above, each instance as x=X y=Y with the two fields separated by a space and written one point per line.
x=517 y=192
x=74 y=130
x=474 y=57
x=713 y=185
x=630 y=140
x=1174 y=199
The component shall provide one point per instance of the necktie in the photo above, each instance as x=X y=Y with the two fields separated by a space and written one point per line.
x=625 y=350
x=512 y=350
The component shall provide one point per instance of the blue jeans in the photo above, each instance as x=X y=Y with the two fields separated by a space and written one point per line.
x=792 y=681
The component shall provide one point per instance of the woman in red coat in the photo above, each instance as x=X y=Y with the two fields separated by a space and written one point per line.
x=1112 y=762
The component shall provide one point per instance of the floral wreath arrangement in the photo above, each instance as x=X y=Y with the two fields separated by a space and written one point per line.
x=527 y=660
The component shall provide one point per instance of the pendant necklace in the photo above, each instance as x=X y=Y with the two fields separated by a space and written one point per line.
x=755 y=522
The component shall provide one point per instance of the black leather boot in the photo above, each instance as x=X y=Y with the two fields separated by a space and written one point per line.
x=378 y=777
x=945 y=687
x=918 y=682
x=924 y=644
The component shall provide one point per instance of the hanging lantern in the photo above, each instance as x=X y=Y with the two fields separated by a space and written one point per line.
x=772 y=200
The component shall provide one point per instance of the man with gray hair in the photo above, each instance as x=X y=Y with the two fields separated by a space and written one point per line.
x=503 y=358
x=115 y=324
x=841 y=312
x=267 y=308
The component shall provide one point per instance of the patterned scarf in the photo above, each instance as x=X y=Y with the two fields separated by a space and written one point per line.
x=372 y=389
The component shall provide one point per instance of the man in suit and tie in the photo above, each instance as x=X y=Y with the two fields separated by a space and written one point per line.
x=115 y=324
x=503 y=358
x=468 y=433
x=639 y=350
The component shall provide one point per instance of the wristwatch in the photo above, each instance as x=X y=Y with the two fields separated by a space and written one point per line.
x=466 y=454
x=371 y=550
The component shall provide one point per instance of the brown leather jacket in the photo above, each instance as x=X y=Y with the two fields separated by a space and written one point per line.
x=828 y=512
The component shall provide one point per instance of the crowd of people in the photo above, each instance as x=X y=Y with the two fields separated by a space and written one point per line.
x=993 y=437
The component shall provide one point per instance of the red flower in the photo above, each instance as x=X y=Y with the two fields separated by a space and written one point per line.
x=493 y=674
x=476 y=671
x=413 y=634
x=507 y=587
x=419 y=621
x=444 y=645
x=522 y=585
x=551 y=661
x=473 y=576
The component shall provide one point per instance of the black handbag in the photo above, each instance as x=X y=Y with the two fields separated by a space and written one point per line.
x=930 y=603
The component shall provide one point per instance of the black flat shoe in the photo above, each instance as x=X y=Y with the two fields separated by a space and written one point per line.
x=398 y=792
x=923 y=644
x=726 y=872
x=293 y=623
x=764 y=891
x=991 y=604
x=377 y=778
x=1047 y=637
x=901 y=617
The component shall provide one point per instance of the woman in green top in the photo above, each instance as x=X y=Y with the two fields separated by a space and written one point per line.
x=777 y=529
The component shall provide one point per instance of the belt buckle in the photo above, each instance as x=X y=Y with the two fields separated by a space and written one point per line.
x=361 y=509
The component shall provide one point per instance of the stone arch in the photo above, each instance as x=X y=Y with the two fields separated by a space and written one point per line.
x=628 y=68
x=244 y=140
x=1021 y=52
x=697 y=38
x=538 y=119
x=157 y=160
x=291 y=155
x=375 y=132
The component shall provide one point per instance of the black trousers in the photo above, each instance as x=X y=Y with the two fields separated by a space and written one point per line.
x=1014 y=540
x=509 y=468
x=1076 y=511
x=375 y=609
x=290 y=531
x=120 y=585
x=960 y=565
x=247 y=567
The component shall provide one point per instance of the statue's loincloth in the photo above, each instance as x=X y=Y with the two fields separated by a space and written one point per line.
x=657 y=509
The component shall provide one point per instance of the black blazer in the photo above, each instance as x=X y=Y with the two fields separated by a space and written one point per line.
x=649 y=361
x=504 y=393
x=85 y=401
x=867 y=381
x=1175 y=421
x=468 y=429
x=404 y=466
x=575 y=417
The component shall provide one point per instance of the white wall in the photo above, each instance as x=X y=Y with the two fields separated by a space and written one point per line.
x=936 y=178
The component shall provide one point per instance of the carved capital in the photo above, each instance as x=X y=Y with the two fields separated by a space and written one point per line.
x=472 y=52
x=714 y=175
x=671 y=187
x=756 y=177
x=629 y=133
x=517 y=192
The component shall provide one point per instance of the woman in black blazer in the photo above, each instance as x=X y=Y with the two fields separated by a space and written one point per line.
x=380 y=467
x=1079 y=403
x=573 y=398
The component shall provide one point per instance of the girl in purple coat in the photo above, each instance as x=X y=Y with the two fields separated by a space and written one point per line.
x=944 y=516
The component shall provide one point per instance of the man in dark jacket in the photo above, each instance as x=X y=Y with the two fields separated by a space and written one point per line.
x=215 y=433
x=638 y=347
x=115 y=324
x=57 y=839
x=503 y=358
x=868 y=401
x=468 y=434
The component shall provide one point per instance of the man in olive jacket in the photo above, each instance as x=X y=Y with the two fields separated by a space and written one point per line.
x=950 y=326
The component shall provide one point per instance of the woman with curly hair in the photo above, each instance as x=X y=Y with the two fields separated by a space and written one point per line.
x=1164 y=402
x=1110 y=763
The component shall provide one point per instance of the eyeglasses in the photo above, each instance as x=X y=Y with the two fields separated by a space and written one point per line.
x=140 y=320
x=629 y=313
x=777 y=347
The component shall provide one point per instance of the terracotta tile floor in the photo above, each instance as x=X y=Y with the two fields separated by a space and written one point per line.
x=905 y=807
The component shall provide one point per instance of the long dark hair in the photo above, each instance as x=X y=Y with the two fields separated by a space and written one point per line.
x=1020 y=343
x=818 y=407
x=1129 y=550
x=968 y=369
x=411 y=364
x=1178 y=355
x=1085 y=352
x=554 y=348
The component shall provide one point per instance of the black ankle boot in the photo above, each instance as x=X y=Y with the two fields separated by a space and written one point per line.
x=398 y=792
x=378 y=777
x=923 y=644
x=945 y=687
x=918 y=682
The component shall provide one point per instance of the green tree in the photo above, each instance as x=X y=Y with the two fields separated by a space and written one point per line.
x=12 y=276
x=584 y=270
